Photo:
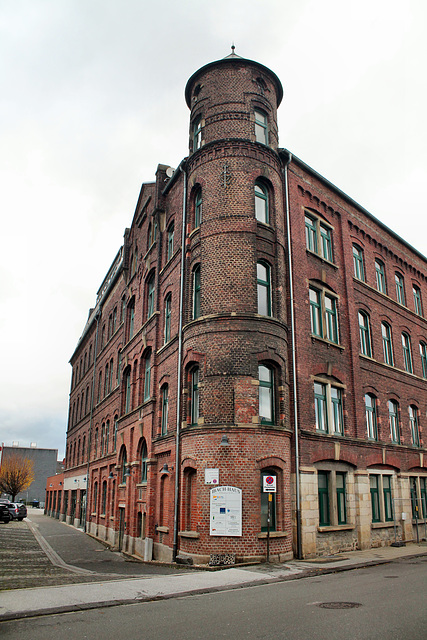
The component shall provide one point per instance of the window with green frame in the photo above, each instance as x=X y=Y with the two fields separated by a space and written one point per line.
x=264 y=288
x=168 y=314
x=197 y=133
x=380 y=276
x=423 y=354
x=196 y=292
x=198 y=203
x=413 y=425
x=194 y=395
x=323 y=315
x=165 y=409
x=144 y=461
x=358 y=267
x=131 y=318
x=266 y=394
x=328 y=408
x=371 y=416
x=341 y=498
x=417 y=300
x=261 y=127
x=393 y=416
x=318 y=237
x=171 y=233
x=323 y=494
x=364 y=334
x=388 y=502
x=400 y=288
x=147 y=376
x=407 y=355
x=261 y=203
x=264 y=503
x=387 y=343
x=375 y=497
x=423 y=495
x=150 y=296
x=128 y=394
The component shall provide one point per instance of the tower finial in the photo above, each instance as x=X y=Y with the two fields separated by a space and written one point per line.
x=232 y=49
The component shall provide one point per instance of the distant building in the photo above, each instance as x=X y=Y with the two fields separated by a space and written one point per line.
x=258 y=328
x=45 y=464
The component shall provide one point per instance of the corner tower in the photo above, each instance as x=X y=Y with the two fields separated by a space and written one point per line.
x=235 y=337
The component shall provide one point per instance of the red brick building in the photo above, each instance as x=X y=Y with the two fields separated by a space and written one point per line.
x=287 y=339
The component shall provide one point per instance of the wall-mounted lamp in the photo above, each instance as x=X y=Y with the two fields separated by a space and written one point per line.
x=127 y=472
x=111 y=476
x=224 y=441
x=165 y=468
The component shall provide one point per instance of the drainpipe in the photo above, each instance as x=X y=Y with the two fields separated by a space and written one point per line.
x=294 y=371
x=179 y=378
x=92 y=399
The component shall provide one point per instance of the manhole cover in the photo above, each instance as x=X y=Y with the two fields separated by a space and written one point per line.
x=339 y=605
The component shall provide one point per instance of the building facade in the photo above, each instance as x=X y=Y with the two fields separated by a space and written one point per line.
x=45 y=463
x=257 y=326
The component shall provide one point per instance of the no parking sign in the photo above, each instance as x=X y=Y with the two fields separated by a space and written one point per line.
x=269 y=484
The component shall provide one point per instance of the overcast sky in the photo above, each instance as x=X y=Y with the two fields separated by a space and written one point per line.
x=92 y=99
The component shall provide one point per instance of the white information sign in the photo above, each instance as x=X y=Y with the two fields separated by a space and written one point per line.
x=212 y=476
x=269 y=484
x=226 y=511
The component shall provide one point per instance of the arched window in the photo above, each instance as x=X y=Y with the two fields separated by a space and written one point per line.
x=261 y=203
x=127 y=388
x=168 y=313
x=150 y=296
x=196 y=292
x=418 y=307
x=130 y=318
x=371 y=416
x=198 y=208
x=365 y=334
x=147 y=375
x=264 y=288
x=107 y=437
x=407 y=354
x=359 y=271
x=104 y=498
x=116 y=427
x=194 y=395
x=323 y=314
x=393 y=415
x=95 y=497
x=423 y=354
x=96 y=442
x=400 y=288
x=413 y=424
x=144 y=461
x=123 y=463
x=190 y=497
x=169 y=253
x=266 y=394
x=165 y=409
x=380 y=276
x=387 y=343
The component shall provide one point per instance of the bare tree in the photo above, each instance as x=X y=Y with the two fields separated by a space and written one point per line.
x=16 y=474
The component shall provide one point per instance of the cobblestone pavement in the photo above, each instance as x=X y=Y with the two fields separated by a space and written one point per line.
x=24 y=564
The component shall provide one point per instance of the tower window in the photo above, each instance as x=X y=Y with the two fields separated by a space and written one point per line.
x=261 y=129
x=261 y=203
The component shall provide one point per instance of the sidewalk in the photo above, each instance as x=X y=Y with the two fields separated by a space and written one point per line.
x=19 y=603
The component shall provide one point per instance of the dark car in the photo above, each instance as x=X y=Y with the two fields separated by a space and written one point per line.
x=17 y=510
x=4 y=513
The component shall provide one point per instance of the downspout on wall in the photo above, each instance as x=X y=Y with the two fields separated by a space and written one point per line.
x=294 y=372
x=179 y=377
x=98 y=318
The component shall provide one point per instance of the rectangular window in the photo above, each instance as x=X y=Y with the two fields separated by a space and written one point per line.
x=316 y=313
x=407 y=356
x=261 y=130
x=423 y=354
x=323 y=315
x=266 y=394
x=310 y=234
x=331 y=319
x=423 y=494
x=375 y=498
x=413 y=424
x=388 y=503
x=336 y=413
x=170 y=242
x=325 y=236
x=328 y=408
x=341 y=498
x=394 y=421
x=387 y=343
x=323 y=492
x=371 y=417
x=196 y=292
x=414 y=498
x=364 y=334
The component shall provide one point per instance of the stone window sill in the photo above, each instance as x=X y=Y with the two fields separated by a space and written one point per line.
x=273 y=534
x=162 y=529
x=336 y=527
x=189 y=534
x=381 y=525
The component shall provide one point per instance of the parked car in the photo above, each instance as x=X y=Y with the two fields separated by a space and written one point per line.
x=17 y=510
x=4 y=513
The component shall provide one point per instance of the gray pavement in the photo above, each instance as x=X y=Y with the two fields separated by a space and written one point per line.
x=69 y=571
